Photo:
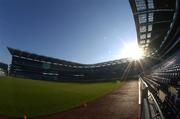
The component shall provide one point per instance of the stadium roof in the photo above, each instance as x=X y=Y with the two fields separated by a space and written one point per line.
x=157 y=25
x=36 y=57
x=55 y=61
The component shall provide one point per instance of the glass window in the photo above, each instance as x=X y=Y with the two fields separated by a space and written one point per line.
x=143 y=36
x=150 y=27
x=142 y=29
x=142 y=42
x=145 y=48
x=148 y=41
x=148 y=35
x=150 y=4
x=140 y=5
x=142 y=46
x=150 y=17
x=142 y=18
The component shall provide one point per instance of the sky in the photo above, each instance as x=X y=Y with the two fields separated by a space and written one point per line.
x=83 y=31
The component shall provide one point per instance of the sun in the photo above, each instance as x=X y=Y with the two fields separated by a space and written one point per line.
x=132 y=51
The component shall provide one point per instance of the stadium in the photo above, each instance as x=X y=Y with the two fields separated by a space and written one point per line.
x=38 y=86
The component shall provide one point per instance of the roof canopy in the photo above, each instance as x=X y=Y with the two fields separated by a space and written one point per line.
x=55 y=61
x=156 y=24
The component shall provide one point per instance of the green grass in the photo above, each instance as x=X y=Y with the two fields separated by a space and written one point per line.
x=19 y=96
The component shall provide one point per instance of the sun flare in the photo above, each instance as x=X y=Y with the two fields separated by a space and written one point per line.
x=132 y=51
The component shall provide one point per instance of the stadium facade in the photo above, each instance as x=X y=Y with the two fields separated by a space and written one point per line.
x=158 y=32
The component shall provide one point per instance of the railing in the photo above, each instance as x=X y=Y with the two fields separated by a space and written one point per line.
x=150 y=108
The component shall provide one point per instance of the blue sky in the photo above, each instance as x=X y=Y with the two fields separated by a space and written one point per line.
x=84 y=31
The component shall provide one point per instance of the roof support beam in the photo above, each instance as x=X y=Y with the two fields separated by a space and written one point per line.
x=156 y=10
x=157 y=22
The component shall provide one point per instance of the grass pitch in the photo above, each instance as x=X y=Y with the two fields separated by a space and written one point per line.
x=33 y=97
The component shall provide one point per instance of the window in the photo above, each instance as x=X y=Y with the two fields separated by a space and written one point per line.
x=150 y=27
x=142 y=42
x=148 y=41
x=143 y=46
x=150 y=4
x=150 y=17
x=142 y=29
x=142 y=18
x=143 y=36
x=140 y=5
x=148 y=35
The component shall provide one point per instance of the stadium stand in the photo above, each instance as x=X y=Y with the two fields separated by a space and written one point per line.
x=158 y=32
x=29 y=65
